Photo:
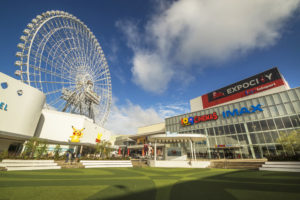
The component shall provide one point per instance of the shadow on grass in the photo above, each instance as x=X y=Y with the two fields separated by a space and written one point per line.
x=249 y=184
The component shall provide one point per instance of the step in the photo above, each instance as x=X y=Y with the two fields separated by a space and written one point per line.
x=282 y=163
x=282 y=166
x=105 y=161
x=27 y=161
x=26 y=164
x=101 y=166
x=31 y=168
x=279 y=169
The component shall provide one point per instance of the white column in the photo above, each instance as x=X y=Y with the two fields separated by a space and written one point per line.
x=195 y=151
x=192 y=154
x=155 y=150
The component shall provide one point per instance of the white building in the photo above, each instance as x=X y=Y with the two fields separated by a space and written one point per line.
x=22 y=116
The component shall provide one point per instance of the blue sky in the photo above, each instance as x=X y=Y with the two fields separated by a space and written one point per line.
x=161 y=54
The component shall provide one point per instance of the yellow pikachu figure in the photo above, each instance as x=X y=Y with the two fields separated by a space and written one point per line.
x=77 y=134
x=98 y=139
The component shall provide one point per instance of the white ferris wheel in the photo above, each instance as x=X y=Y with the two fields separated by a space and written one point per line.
x=60 y=56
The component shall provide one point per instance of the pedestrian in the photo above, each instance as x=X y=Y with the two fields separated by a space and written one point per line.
x=67 y=157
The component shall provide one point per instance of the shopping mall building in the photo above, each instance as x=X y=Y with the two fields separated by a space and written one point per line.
x=241 y=120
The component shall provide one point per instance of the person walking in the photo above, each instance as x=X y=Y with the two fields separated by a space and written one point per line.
x=70 y=158
x=67 y=157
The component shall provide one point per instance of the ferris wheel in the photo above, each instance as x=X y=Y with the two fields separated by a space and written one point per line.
x=60 y=56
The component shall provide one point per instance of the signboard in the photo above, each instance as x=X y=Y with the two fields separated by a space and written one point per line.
x=255 y=84
x=197 y=119
x=243 y=110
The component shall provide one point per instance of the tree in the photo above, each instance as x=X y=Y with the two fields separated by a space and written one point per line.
x=31 y=146
x=57 y=151
x=290 y=141
x=41 y=149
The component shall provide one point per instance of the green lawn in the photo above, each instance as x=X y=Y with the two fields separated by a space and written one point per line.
x=149 y=183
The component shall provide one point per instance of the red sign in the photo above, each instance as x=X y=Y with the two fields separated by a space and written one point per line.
x=255 y=84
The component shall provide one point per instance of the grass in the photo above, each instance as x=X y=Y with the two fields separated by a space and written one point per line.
x=148 y=183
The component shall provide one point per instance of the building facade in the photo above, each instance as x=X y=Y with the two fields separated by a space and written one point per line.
x=245 y=129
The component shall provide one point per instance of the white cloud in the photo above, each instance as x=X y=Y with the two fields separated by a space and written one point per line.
x=190 y=32
x=127 y=118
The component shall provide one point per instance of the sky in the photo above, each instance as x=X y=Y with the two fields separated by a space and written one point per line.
x=163 y=53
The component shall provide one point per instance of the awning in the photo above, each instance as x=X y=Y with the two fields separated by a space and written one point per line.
x=173 y=138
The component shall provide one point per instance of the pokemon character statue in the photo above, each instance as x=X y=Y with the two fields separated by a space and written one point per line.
x=98 y=139
x=77 y=134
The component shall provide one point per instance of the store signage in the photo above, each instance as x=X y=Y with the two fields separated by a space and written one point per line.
x=197 y=119
x=254 y=84
x=3 y=106
x=236 y=112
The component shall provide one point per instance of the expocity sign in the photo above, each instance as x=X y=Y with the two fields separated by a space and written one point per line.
x=260 y=82
x=187 y=121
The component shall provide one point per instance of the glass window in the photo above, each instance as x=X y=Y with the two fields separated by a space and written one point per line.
x=281 y=109
x=275 y=136
x=296 y=105
x=234 y=139
x=219 y=140
x=279 y=123
x=253 y=138
x=264 y=125
x=250 y=127
x=284 y=97
x=295 y=120
x=243 y=128
x=273 y=111
x=226 y=130
x=256 y=126
x=265 y=151
x=260 y=138
x=289 y=108
x=277 y=99
x=287 y=122
x=269 y=100
x=238 y=128
x=271 y=124
x=210 y=132
x=212 y=141
x=268 y=137
x=292 y=95
x=231 y=129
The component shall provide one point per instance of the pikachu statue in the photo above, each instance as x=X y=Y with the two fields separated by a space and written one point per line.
x=77 y=134
x=98 y=139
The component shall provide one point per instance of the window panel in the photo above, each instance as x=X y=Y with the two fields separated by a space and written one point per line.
x=275 y=136
x=284 y=97
x=253 y=138
x=281 y=110
x=296 y=105
x=295 y=121
x=277 y=99
x=279 y=123
x=289 y=108
x=292 y=95
x=231 y=129
x=238 y=128
x=260 y=138
x=264 y=125
x=268 y=137
x=287 y=123
x=256 y=126
x=271 y=124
